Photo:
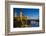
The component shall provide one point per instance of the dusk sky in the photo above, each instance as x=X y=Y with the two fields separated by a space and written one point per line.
x=31 y=13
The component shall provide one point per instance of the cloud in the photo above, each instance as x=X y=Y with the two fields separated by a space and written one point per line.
x=32 y=17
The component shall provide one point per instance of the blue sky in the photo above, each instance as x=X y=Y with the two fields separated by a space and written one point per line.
x=31 y=13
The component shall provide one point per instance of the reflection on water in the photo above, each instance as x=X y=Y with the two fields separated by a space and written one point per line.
x=33 y=23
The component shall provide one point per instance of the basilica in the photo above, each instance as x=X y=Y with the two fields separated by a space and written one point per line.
x=20 y=21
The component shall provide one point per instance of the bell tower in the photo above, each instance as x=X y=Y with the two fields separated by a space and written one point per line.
x=20 y=14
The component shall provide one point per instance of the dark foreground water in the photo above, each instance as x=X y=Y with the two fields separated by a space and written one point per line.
x=29 y=23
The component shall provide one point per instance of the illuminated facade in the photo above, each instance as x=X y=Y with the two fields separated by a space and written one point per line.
x=22 y=19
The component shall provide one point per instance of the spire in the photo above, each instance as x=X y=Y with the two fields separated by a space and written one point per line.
x=15 y=14
x=20 y=12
